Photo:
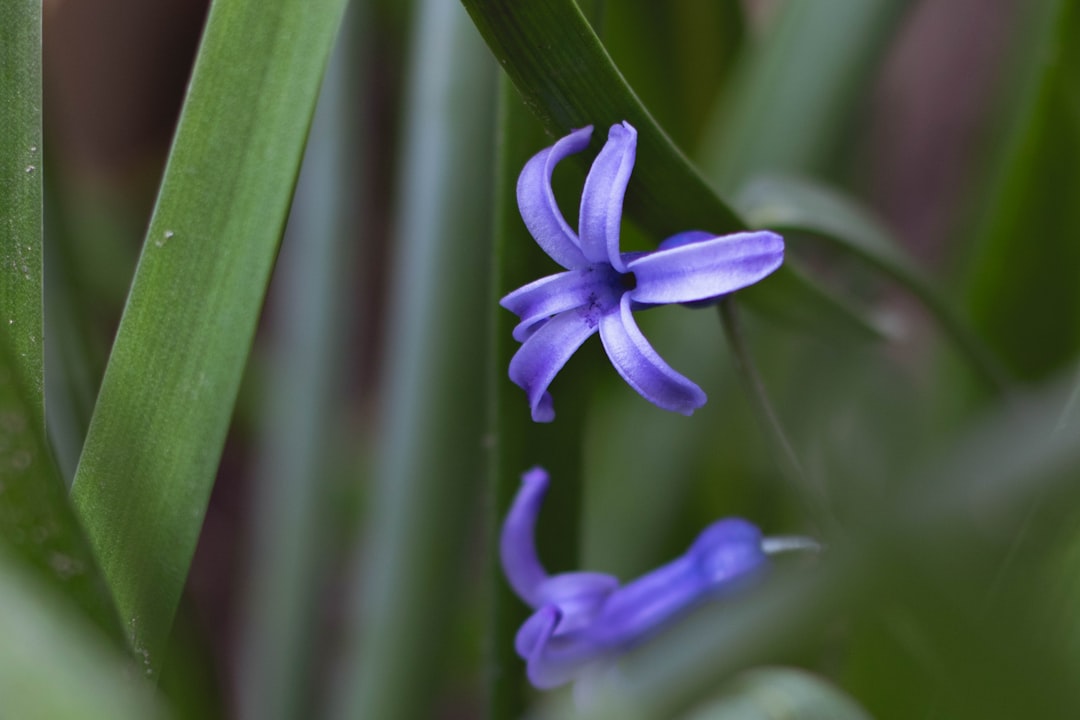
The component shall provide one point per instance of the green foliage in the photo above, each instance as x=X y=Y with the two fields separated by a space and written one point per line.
x=1024 y=287
x=159 y=425
x=377 y=425
x=20 y=189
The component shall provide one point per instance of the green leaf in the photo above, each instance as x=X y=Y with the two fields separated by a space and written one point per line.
x=431 y=444
x=1024 y=280
x=568 y=80
x=37 y=525
x=311 y=301
x=791 y=101
x=20 y=188
x=53 y=665
x=780 y=694
x=677 y=55
x=790 y=297
x=159 y=425
x=789 y=204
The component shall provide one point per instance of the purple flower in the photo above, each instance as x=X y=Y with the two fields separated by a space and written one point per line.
x=585 y=618
x=601 y=286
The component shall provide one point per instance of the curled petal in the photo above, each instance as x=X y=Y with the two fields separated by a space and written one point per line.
x=705 y=269
x=602 y=197
x=593 y=285
x=642 y=367
x=542 y=356
x=580 y=596
x=517 y=545
x=536 y=201
x=549 y=661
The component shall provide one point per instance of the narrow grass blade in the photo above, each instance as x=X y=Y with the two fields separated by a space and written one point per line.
x=55 y=665
x=159 y=425
x=20 y=195
x=431 y=440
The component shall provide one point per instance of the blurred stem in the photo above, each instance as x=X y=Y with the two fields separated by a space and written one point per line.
x=311 y=295
x=786 y=458
x=432 y=421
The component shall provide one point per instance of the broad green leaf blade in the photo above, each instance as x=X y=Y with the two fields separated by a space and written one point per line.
x=431 y=448
x=1024 y=281
x=20 y=194
x=311 y=297
x=159 y=425
x=37 y=523
x=757 y=695
x=54 y=665
x=786 y=203
x=791 y=100
x=677 y=55
x=561 y=69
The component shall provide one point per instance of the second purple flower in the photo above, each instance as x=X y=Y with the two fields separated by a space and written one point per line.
x=602 y=286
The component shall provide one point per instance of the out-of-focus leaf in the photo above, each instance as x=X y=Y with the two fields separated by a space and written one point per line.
x=677 y=55
x=20 y=196
x=53 y=665
x=1024 y=282
x=37 y=525
x=159 y=425
x=786 y=203
x=792 y=298
x=780 y=694
x=433 y=410
x=790 y=102
x=311 y=298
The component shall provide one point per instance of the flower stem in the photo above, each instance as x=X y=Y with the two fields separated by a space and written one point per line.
x=783 y=451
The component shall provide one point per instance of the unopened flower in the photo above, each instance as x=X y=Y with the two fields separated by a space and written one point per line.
x=601 y=285
x=583 y=619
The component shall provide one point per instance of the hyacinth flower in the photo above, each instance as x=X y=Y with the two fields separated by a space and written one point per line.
x=602 y=286
x=583 y=620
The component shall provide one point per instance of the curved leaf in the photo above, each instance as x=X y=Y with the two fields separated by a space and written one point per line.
x=785 y=203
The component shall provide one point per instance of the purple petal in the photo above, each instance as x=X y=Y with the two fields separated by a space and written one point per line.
x=724 y=556
x=602 y=197
x=536 y=201
x=641 y=606
x=549 y=662
x=517 y=544
x=642 y=367
x=580 y=596
x=594 y=285
x=705 y=269
x=539 y=359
